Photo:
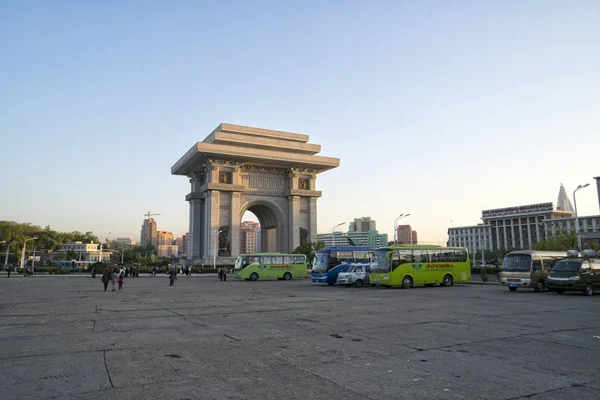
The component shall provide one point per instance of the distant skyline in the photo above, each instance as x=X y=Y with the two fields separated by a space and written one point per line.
x=439 y=109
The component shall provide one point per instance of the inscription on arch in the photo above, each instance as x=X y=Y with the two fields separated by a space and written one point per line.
x=260 y=182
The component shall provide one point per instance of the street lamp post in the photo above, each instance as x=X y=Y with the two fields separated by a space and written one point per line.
x=333 y=233
x=7 y=252
x=399 y=217
x=576 y=216
x=101 y=240
x=120 y=252
x=23 y=252
x=6 y=259
x=215 y=248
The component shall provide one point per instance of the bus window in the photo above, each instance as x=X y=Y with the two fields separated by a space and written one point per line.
x=299 y=260
x=289 y=260
x=265 y=260
x=536 y=264
x=359 y=255
x=400 y=257
x=460 y=255
x=277 y=260
x=420 y=255
x=434 y=255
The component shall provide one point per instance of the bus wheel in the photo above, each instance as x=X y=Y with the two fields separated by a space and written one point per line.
x=254 y=276
x=512 y=289
x=540 y=286
x=589 y=290
x=287 y=276
x=359 y=282
x=448 y=280
x=407 y=282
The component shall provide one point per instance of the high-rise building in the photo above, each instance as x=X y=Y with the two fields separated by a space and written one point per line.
x=405 y=234
x=361 y=232
x=179 y=243
x=259 y=239
x=164 y=238
x=167 y=250
x=248 y=230
x=563 y=203
x=364 y=224
x=414 y=237
x=148 y=235
x=371 y=239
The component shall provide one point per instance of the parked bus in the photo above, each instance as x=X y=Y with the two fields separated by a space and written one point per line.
x=528 y=268
x=270 y=265
x=407 y=265
x=332 y=260
x=75 y=265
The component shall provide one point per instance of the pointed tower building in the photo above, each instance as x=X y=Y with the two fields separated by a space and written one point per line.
x=563 y=203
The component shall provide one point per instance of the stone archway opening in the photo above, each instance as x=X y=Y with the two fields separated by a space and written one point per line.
x=267 y=233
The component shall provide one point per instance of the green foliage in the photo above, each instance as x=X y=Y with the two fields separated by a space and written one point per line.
x=484 y=275
x=309 y=249
x=561 y=241
x=47 y=239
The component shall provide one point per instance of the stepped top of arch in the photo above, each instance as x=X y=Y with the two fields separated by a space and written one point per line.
x=255 y=146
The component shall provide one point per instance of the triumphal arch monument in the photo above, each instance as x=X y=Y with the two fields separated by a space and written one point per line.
x=237 y=169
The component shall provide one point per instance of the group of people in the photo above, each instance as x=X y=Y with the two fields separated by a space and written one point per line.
x=111 y=275
x=117 y=276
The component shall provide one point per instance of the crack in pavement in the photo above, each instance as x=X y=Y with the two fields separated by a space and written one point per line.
x=106 y=368
x=573 y=385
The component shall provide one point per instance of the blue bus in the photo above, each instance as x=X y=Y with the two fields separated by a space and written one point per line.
x=331 y=260
x=74 y=265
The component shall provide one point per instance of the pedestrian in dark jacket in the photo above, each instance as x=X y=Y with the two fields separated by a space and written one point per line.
x=172 y=276
x=105 y=279
x=220 y=274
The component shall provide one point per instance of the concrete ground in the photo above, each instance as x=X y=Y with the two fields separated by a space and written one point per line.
x=65 y=338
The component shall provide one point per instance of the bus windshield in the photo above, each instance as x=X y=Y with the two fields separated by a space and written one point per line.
x=517 y=263
x=243 y=261
x=321 y=262
x=239 y=262
x=380 y=264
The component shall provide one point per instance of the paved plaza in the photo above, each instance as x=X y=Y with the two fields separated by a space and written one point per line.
x=64 y=337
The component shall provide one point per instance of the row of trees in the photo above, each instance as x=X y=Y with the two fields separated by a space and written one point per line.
x=15 y=234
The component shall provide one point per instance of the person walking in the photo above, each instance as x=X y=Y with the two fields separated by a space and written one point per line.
x=114 y=278
x=172 y=276
x=105 y=279
x=225 y=274
x=121 y=281
x=220 y=274
x=8 y=269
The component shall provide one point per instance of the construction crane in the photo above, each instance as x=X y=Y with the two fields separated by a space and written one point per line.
x=150 y=214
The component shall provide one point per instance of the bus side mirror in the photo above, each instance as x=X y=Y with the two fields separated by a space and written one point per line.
x=388 y=255
x=368 y=255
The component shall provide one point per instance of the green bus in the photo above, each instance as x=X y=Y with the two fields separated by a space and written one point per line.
x=406 y=265
x=270 y=265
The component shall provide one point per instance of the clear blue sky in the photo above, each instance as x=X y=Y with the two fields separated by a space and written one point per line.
x=435 y=108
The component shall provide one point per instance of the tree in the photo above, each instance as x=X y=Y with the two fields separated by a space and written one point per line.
x=561 y=241
x=309 y=249
x=71 y=255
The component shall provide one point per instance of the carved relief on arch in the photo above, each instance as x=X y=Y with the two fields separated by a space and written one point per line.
x=197 y=177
